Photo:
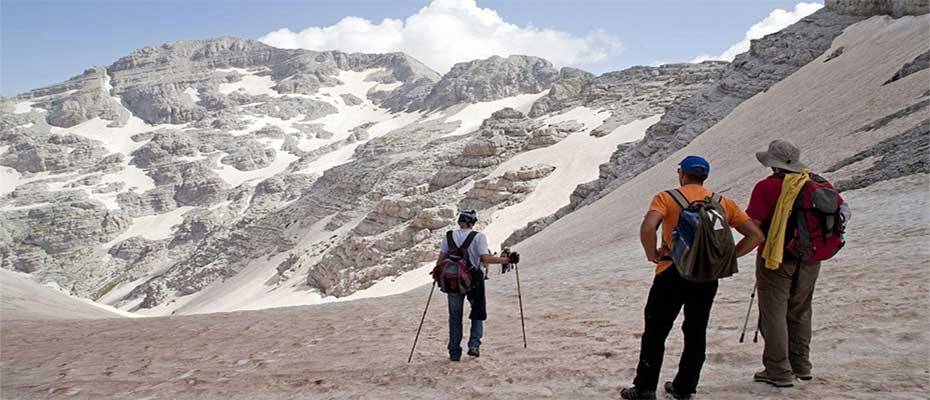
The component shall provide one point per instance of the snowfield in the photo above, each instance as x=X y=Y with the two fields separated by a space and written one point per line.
x=24 y=298
x=9 y=180
x=23 y=107
x=471 y=115
x=235 y=177
x=153 y=227
x=576 y=160
x=249 y=83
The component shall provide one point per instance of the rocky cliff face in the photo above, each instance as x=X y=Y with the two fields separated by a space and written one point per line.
x=868 y=8
x=491 y=79
x=768 y=61
x=631 y=94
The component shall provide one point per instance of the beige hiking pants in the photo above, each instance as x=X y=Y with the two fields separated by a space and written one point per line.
x=785 y=315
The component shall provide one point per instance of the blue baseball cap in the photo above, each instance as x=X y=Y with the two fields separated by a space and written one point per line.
x=694 y=165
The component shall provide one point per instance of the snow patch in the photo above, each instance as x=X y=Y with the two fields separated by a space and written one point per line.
x=259 y=122
x=251 y=84
x=153 y=227
x=584 y=115
x=133 y=176
x=344 y=154
x=472 y=115
x=576 y=160
x=235 y=177
x=347 y=117
x=55 y=286
x=387 y=87
x=114 y=139
x=9 y=177
x=193 y=94
x=26 y=207
x=23 y=107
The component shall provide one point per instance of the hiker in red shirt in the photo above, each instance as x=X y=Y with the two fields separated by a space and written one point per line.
x=671 y=290
x=785 y=282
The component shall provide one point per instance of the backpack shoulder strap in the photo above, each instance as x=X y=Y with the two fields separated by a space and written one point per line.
x=679 y=198
x=469 y=239
x=451 y=242
x=817 y=178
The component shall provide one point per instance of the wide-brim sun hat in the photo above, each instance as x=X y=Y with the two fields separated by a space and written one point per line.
x=782 y=154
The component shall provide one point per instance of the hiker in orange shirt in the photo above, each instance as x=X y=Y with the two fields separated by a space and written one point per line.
x=672 y=289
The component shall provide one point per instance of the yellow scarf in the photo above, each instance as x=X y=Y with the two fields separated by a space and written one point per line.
x=775 y=242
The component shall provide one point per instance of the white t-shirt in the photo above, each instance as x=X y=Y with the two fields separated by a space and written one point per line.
x=478 y=248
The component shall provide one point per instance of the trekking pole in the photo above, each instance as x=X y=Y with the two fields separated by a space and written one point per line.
x=752 y=298
x=423 y=318
x=755 y=338
x=516 y=269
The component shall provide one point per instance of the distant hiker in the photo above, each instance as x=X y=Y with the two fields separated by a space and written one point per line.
x=697 y=249
x=458 y=273
x=803 y=217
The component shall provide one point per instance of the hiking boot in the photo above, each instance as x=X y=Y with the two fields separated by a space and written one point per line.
x=455 y=358
x=804 y=376
x=763 y=376
x=474 y=352
x=634 y=393
x=670 y=389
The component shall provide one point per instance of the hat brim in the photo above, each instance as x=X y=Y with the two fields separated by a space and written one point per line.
x=763 y=157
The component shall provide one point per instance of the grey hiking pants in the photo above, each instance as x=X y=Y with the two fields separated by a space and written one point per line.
x=785 y=315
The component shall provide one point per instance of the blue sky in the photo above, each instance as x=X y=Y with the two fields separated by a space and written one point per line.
x=48 y=41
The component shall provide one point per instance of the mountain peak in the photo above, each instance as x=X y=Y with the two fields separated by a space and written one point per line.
x=490 y=79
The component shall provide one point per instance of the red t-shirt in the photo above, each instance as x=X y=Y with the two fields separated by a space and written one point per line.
x=763 y=200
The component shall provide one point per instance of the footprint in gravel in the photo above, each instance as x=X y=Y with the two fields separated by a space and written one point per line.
x=605 y=354
x=186 y=375
x=68 y=391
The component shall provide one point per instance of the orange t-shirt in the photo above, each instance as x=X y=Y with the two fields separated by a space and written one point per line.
x=664 y=204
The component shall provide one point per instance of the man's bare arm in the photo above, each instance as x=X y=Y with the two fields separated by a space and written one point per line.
x=648 y=237
x=752 y=237
x=492 y=259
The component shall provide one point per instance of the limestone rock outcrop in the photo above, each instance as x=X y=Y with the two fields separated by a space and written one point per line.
x=491 y=79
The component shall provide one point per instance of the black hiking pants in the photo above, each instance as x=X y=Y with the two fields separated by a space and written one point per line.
x=670 y=292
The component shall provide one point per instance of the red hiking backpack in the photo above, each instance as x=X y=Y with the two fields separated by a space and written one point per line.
x=817 y=224
x=454 y=273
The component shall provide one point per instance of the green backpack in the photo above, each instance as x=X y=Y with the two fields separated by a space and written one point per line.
x=703 y=249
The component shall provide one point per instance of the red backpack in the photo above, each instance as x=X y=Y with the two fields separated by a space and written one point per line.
x=816 y=226
x=453 y=274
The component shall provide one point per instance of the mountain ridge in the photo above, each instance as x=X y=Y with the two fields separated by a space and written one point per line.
x=234 y=152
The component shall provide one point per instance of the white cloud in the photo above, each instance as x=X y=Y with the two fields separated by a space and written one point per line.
x=450 y=31
x=777 y=20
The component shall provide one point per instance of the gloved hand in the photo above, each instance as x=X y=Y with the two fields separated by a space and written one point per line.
x=514 y=257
